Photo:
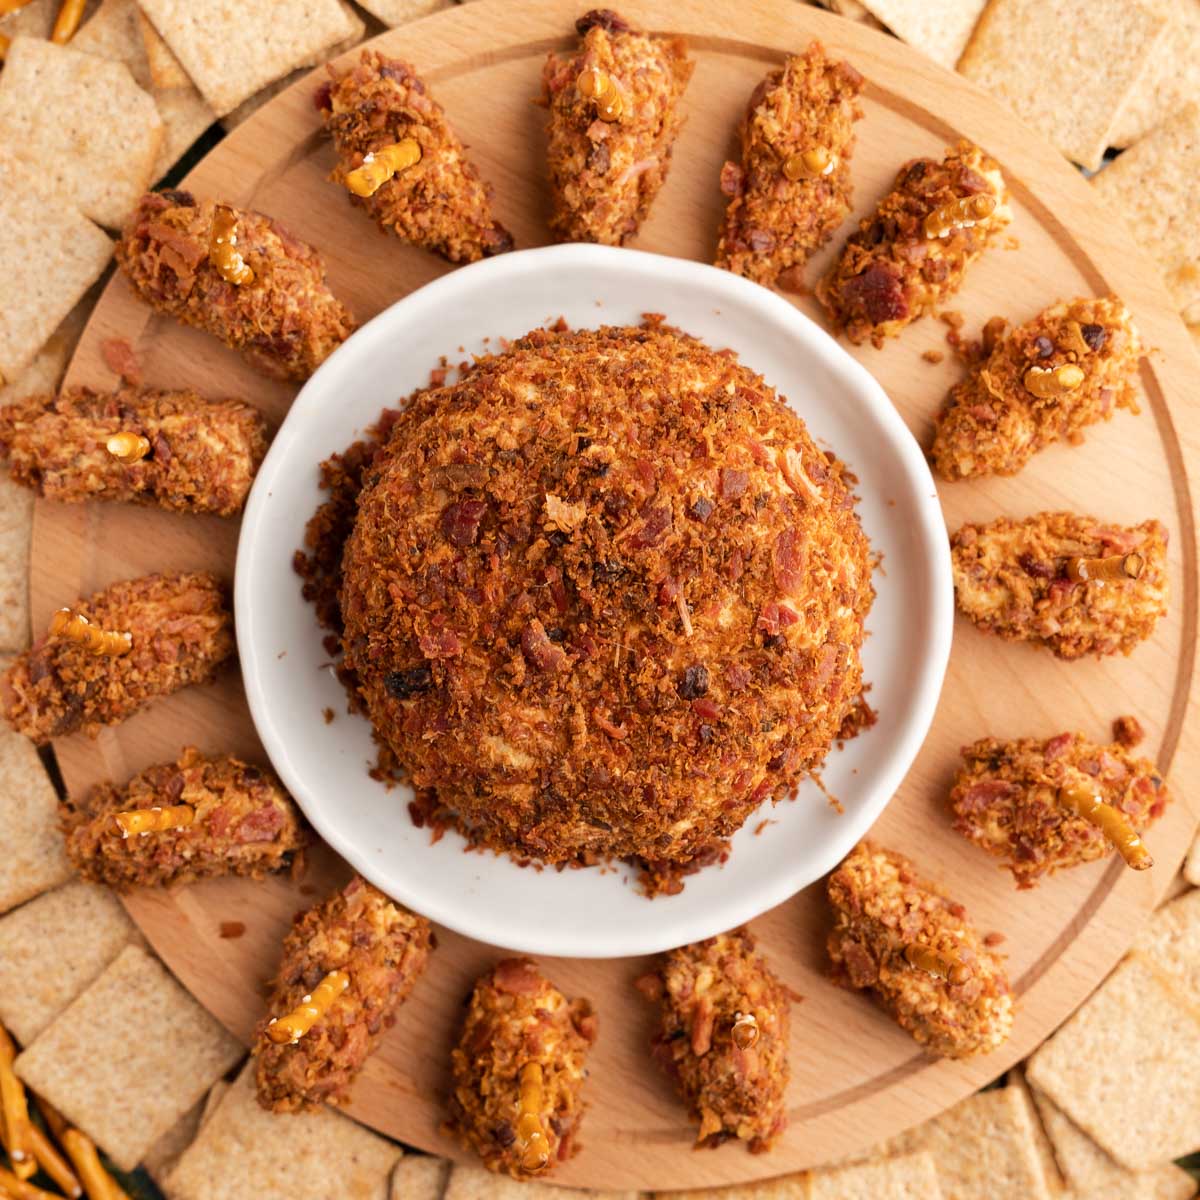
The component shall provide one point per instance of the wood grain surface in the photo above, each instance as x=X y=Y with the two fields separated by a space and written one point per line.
x=856 y=1077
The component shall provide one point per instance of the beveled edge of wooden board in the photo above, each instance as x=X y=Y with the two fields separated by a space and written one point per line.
x=1120 y=901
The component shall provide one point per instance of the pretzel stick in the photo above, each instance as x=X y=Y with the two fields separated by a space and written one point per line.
x=97 y=1182
x=745 y=1030
x=79 y=629
x=15 y=1109
x=1086 y=803
x=535 y=1150
x=128 y=447
x=55 y=1121
x=138 y=822
x=1115 y=568
x=292 y=1027
x=67 y=21
x=18 y=1189
x=53 y=1163
x=945 y=964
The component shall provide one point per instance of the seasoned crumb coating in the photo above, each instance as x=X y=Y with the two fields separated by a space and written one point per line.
x=723 y=1038
x=245 y=824
x=519 y=1025
x=182 y=631
x=914 y=250
x=605 y=595
x=604 y=174
x=993 y=424
x=440 y=202
x=882 y=906
x=201 y=455
x=383 y=949
x=285 y=322
x=793 y=188
x=1013 y=578
x=1006 y=799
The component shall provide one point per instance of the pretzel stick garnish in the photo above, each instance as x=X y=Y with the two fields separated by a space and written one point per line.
x=53 y=1163
x=380 y=165
x=97 y=1182
x=18 y=1189
x=534 y=1148
x=1114 y=568
x=1048 y=383
x=55 y=1121
x=222 y=248
x=14 y=1108
x=745 y=1030
x=69 y=15
x=959 y=214
x=593 y=84
x=1085 y=802
x=77 y=628
x=291 y=1028
x=128 y=447
x=140 y=822
x=945 y=964
x=809 y=163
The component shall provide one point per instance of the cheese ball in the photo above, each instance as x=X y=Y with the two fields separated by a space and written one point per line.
x=604 y=595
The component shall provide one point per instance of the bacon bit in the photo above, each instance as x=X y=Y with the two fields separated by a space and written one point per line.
x=880 y=292
x=732 y=179
x=789 y=561
x=232 y=929
x=460 y=521
x=1056 y=747
x=262 y=825
x=517 y=976
x=994 y=939
x=983 y=795
x=561 y=515
x=617 y=732
x=650 y=986
x=119 y=358
x=933 y=356
x=733 y=483
x=706 y=709
x=775 y=617
x=443 y=644
x=655 y=523
x=1128 y=732
x=540 y=651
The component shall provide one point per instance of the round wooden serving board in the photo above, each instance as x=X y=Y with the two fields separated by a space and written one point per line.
x=855 y=1077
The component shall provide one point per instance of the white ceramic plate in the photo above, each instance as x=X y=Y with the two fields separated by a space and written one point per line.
x=598 y=912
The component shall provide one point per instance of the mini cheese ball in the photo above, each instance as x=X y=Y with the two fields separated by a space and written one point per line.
x=604 y=596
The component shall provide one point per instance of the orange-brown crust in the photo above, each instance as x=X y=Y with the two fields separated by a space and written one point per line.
x=604 y=175
x=202 y=458
x=517 y=1017
x=440 y=203
x=882 y=906
x=1011 y=578
x=703 y=991
x=182 y=632
x=1005 y=800
x=285 y=323
x=630 y=605
x=891 y=272
x=993 y=425
x=245 y=824
x=774 y=224
x=383 y=949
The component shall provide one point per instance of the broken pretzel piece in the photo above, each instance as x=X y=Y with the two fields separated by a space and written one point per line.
x=1083 y=799
x=128 y=447
x=70 y=13
x=141 y=822
x=945 y=964
x=14 y=1113
x=531 y=1134
x=66 y=623
x=1112 y=569
x=292 y=1027
x=380 y=165
x=1048 y=383
x=959 y=214
x=222 y=247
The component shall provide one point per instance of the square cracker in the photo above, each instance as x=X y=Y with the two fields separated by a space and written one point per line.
x=1050 y=1166
x=1064 y=67
x=938 y=28
x=115 y=33
x=1191 y=868
x=1171 y=942
x=54 y=947
x=129 y=1057
x=83 y=124
x=419 y=1177
x=233 y=48
x=908 y=1177
x=166 y=71
x=984 y=1146
x=16 y=532
x=1092 y=1172
x=400 y=12
x=1172 y=79
x=159 y=1161
x=474 y=1183
x=1152 y=185
x=244 y=1151
x=36 y=860
x=1133 y=1051
x=50 y=255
